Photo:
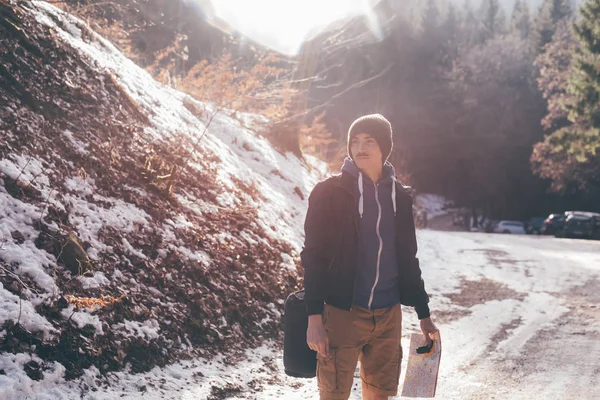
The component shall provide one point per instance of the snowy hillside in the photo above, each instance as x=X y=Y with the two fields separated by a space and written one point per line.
x=100 y=266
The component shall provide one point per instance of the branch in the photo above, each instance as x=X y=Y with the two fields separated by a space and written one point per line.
x=338 y=95
x=87 y=5
x=330 y=85
x=195 y=145
x=45 y=205
x=18 y=279
x=23 y=169
x=314 y=78
x=20 y=309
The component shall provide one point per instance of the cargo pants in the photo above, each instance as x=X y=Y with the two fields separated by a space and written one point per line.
x=369 y=336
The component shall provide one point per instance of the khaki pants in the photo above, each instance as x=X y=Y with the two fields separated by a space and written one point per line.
x=371 y=336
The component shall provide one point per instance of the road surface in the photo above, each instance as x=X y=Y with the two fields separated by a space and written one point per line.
x=519 y=317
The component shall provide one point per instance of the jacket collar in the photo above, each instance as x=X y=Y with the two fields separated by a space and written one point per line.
x=387 y=174
x=347 y=181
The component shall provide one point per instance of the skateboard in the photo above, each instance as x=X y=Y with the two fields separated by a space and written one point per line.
x=423 y=367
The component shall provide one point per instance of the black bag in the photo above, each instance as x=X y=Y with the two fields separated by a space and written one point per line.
x=299 y=360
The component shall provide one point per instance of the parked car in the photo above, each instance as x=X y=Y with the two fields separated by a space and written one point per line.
x=534 y=225
x=596 y=233
x=489 y=225
x=582 y=213
x=516 y=227
x=553 y=224
x=582 y=225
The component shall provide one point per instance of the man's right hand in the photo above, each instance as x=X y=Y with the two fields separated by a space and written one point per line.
x=316 y=335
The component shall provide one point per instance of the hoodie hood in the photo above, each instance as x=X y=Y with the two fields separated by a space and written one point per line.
x=388 y=173
x=388 y=176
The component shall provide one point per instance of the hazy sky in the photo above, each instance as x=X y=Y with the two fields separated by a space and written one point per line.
x=284 y=24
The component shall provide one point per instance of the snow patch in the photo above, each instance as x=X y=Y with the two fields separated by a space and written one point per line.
x=94 y=282
x=433 y=204
x=23 y=311
x=130 y=250
x=28 y=169
x=78 y=145
x=83 y=318
x=146 y=330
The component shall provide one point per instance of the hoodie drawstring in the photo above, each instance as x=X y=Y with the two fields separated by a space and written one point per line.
x=361 y=200
x=360 y=190
x=394 y=193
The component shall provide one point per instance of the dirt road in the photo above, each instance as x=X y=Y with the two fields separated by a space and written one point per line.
x=561 y=361
x=532 y=317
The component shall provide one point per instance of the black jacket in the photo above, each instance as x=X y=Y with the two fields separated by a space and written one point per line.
x=330 y=253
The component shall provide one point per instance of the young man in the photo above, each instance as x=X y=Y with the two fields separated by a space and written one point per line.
x=360 y=264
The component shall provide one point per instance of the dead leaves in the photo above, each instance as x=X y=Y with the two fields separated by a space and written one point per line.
x=94 y=303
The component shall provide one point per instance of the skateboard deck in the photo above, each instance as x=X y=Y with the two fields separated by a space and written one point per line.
x=422 y=370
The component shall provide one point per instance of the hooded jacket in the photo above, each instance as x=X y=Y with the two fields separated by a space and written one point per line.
x=340 y=266
x=376 y=282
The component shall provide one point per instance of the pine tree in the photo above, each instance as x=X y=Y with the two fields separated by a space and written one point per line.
x=467 y=10
x=469 y=25
x=451 y=24
x=570 y=157
x=561 y=9
x=520 y=23
x=554 y=69
x=551 y=12
x=450 y=30
x=430 y=17
x=492 y=19
x=584 y=83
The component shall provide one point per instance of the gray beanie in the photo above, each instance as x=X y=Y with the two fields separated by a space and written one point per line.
x=377 y=126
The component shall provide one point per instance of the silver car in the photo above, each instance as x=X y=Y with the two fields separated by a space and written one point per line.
x=515 y=227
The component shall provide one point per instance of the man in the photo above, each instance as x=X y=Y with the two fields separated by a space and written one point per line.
x=360 y=264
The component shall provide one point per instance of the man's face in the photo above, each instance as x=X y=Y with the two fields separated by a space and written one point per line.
x=366 y=152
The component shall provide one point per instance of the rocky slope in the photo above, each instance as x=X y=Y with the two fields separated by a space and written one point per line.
x=129 y=237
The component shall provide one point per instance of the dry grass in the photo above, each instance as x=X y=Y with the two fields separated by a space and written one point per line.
x=94 y=303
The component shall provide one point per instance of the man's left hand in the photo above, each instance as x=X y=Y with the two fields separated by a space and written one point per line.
x=428 y=328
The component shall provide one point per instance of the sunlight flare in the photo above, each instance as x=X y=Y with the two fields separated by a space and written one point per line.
x=284 y=25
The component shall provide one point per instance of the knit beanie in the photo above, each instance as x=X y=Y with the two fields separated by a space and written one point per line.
x=378 y=127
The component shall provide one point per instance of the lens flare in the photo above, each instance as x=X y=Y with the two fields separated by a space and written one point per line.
x=284 y=25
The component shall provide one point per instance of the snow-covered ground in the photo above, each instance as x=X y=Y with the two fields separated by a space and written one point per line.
x=433 y=204
x=504 y=304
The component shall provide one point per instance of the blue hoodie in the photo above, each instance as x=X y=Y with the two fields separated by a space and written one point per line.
x=376 y=281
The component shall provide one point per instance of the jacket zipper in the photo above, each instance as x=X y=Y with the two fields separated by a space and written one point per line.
x=380 y=244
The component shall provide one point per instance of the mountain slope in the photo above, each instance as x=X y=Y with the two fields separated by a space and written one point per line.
x=128 y=237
